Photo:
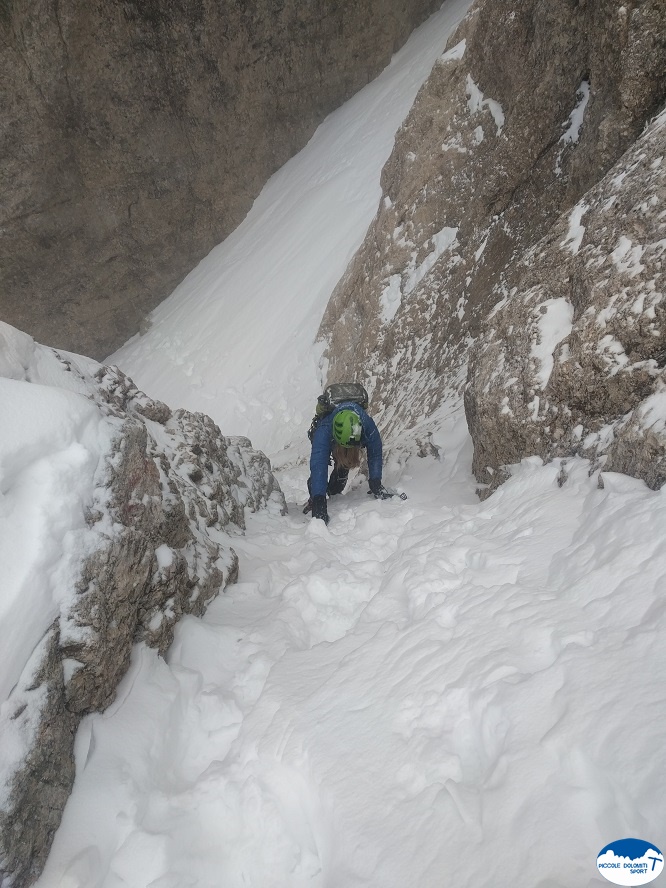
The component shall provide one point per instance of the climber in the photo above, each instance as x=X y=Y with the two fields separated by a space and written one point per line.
x=338 y=433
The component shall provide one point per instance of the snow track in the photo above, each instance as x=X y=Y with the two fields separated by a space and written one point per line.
x=419 y=694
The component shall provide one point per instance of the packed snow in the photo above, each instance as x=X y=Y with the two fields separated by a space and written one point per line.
x=391 y=298
x=441 y=242
x=437 y=691
x=554 y=325
x=427 y=692
x=53 y=440
x=576 y=232
x=574 y=124
x=572 y=133
x=627 y=257
x=477 y=102
x=454 y=54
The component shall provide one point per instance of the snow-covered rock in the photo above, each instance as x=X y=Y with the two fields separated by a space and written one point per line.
x=117 y=516
x=498 y=144
x=572 y=359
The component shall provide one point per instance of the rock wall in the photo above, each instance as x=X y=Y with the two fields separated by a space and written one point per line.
x=136 y=134
x=572 y=358
x=169 y=495
x=528 y=108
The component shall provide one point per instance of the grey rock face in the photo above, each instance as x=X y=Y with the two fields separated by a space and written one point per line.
x=528 y=109
x=41 y=783
x=136 y=135
x=170 y=495
x=572 y=358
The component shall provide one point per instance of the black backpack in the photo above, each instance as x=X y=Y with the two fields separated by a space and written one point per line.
x=338 y=393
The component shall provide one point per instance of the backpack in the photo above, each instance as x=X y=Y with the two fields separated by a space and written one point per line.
x=334 y=394
x=338 y=393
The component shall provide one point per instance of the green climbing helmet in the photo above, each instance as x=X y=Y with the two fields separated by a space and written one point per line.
x=347 y=428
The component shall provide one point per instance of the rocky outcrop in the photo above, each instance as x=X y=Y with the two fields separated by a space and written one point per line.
x=168 y=495
x=498 y=145
x=37 y=772
x=136 y=135
x=572 y=358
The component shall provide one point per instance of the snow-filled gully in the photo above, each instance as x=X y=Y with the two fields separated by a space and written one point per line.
x=437 y=692
x=398 y=699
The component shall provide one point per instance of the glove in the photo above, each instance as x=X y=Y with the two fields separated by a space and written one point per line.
x=313 y=428
x=319 y=509
x=337 y=481
x=378 y=489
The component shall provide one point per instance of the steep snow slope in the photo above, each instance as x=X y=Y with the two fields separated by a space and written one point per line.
x=235 y=338
x=425 y=693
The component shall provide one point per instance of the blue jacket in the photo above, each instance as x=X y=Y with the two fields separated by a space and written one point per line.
x=322 y=447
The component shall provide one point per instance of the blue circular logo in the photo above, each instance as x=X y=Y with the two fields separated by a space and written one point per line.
x=630 y=862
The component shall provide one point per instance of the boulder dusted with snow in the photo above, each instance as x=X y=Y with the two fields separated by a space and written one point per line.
x=572 y=358
x=117 y=517
x=497 y=146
